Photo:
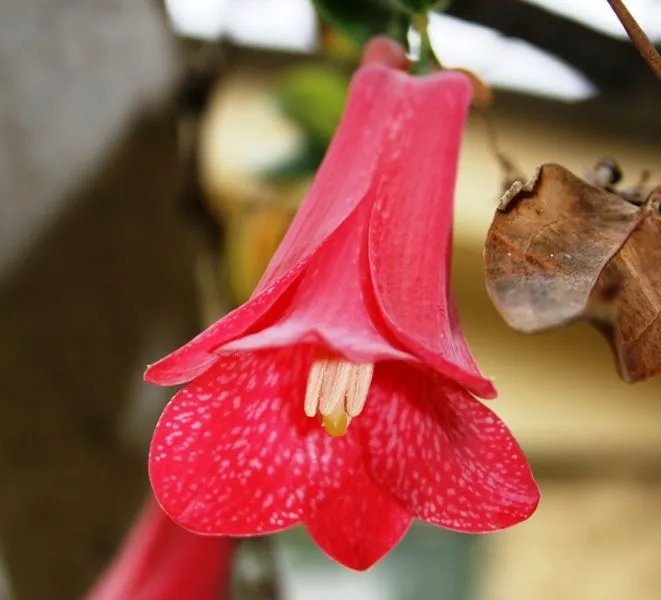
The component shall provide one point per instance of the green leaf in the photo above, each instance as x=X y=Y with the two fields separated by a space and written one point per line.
x=314 y=98
x=358 y=19
x=301 y=165
x=415 y=6
x=398 y=28
x=422 y=6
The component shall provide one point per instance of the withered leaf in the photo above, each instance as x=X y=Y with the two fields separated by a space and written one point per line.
x=547 y=245
x=561 y=250
x=630 y=285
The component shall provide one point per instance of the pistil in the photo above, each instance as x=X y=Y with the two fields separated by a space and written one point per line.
x=337 y=391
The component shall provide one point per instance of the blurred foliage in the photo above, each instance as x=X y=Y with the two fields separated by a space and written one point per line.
x=314 y=98
x=337 y=45
x=361 y=20
x=422 y=6
x=358 y=19
x=303 y=164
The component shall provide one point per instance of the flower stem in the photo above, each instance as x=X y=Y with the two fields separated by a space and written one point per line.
x=427 y=59
x=637 y=36
x=509 y=170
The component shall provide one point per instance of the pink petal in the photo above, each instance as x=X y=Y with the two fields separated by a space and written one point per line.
x=360 y=525
x=411 y=229
x=333 y=304
x=445 y=455
x=195 y=357
x=347 y=171
x=342 y=181
x=234 y=453
x=162 y=561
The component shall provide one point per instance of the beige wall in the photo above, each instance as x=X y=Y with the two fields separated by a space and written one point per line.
x=591 y=540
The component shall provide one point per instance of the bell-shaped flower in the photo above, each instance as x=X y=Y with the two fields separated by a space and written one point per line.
x=161 y=561
x=341 y=395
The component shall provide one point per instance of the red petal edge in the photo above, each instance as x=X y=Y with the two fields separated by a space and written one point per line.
x=448 y=458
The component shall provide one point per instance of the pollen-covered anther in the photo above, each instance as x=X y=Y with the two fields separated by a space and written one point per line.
x=337 y=391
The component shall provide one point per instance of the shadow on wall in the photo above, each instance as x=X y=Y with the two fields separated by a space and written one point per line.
x=75 y=316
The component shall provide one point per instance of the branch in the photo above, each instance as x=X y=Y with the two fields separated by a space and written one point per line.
x=637 y=36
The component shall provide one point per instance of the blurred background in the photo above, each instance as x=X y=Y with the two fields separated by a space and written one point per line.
x=152 y=155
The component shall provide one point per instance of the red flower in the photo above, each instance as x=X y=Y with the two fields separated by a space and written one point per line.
x=162 y=561
x=353 y=321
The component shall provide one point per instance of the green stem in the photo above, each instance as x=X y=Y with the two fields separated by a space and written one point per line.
x=427 y=59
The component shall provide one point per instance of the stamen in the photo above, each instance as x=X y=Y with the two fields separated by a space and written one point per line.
x=336 y=385
x=360 y=385
x=313 y=390
x=337 y=390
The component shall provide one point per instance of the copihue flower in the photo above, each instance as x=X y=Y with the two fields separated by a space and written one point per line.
x=161 y=561
x=341 y=395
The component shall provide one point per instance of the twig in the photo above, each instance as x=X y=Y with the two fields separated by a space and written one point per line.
x=508 y=168
x=637 y=36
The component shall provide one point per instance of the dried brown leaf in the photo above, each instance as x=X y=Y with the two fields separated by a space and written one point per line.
x=561 y=250
x=629 y=288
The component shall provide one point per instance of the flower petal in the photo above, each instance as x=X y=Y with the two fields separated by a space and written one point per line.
x=333 y=304
x=160 y=560
x=347 y=171
x=411 y=229
x=195 y=357
x=360 y=525
x=234 y=453
x=445 y=455
x=343 y=180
